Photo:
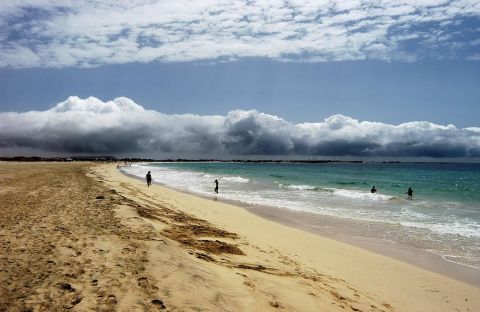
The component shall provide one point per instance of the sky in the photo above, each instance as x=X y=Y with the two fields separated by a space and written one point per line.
x=241 y=78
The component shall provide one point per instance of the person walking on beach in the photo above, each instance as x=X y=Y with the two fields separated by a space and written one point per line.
x=410 y=192
x=373 y=190
x=216 y=186
x=149 y=179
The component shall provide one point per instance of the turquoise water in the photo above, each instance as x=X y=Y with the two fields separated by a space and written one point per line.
x=442 y=217
x=430 y=181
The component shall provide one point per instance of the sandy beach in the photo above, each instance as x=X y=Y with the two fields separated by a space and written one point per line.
x=81 y=237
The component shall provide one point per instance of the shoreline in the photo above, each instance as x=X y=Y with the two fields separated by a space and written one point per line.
x=327 y=227
x=418 y=257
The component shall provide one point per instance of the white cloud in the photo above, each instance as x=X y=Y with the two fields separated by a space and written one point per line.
x=94 y=105
x=475 y=57
x=47 y=33
x=124 y=127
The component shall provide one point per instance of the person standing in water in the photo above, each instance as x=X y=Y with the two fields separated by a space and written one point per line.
x=149 y=179
x=410 y=192
x=373 y=190
x=216 y=186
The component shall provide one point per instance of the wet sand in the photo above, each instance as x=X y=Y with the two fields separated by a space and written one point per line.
x=354 y=233
x=85 y=237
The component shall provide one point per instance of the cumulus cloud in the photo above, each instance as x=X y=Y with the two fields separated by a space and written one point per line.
x=123 y=127
x=48 y=33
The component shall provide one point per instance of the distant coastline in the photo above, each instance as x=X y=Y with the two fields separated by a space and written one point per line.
x=109 y=158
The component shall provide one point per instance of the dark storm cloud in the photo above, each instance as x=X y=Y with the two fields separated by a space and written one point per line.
x=255 y=133
x=344 y=147
x=121 y=127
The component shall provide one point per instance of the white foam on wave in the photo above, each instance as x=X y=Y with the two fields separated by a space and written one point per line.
x=450 y=258
x=464 y=229
x=360 y=195
x=301 y=187
x=135 y=169
x=179 y=179
x=235 y=179
x=407 y=213
x=193 y=181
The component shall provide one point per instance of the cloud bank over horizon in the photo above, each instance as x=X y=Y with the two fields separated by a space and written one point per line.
x=120 y=127
x=48 y=33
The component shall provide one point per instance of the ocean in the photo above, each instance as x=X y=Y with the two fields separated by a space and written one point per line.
x=442 y=217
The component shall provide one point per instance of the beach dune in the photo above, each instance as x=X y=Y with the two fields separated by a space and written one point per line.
x=86 y=237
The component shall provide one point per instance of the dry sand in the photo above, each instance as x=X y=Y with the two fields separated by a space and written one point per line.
x=83 y=237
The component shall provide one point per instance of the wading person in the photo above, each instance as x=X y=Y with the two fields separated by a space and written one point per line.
x=216 y=186
x=410 y=192
x=149 y=179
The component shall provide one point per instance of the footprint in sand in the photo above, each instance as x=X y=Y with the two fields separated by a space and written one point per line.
x=158 y=303
x=142 y=282
x=66 y=287
x=276 y=304
x=112 y=299
x=73 y=303
x=249 y=284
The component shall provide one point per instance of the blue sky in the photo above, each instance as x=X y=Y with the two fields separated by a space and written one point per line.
x=389 y=62
x=438 y=91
